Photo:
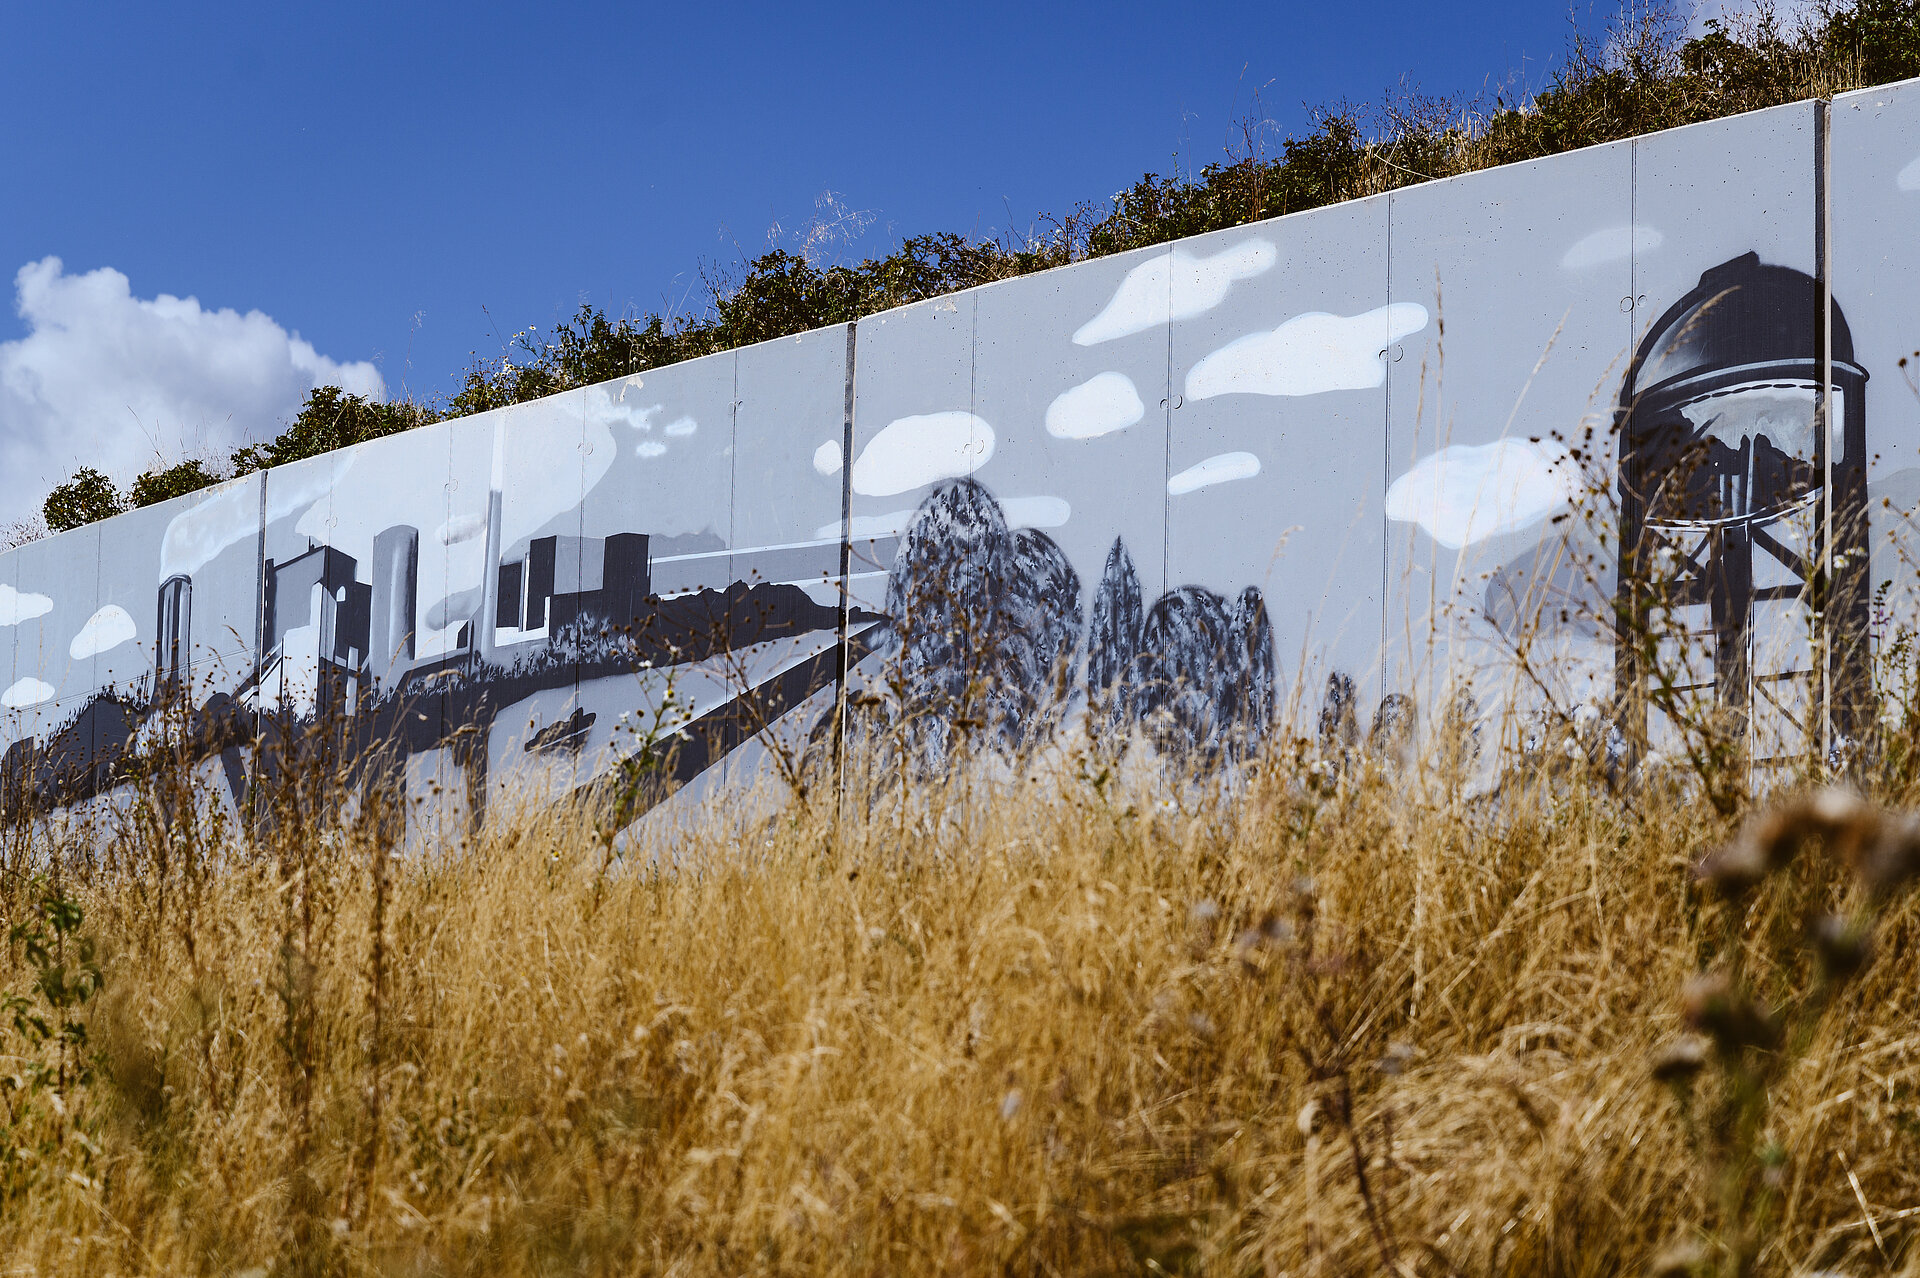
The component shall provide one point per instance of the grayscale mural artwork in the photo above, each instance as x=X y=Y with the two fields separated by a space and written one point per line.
x=1617 y=436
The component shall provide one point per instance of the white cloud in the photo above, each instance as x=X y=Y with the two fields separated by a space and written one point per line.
x=1214 y=470
x=1909 y=177
x=1036 y=512
x=17 y=606
x=1175 y=286
x=680 y=426
x=104 y=630
x=915 y=451
x=649 y=448
x=1611 y=245
x=109 y=380
x=607 y=405
x=1308 y=355
x=461 y=528
x=1098 y=406
x=827 y=459
x=228 y=513
x=1466 y=493
x=26 y=692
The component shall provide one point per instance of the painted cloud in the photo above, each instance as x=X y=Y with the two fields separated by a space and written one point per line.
x=609 y=405
x=229 y=513
x=26 y=692
x=1175 y=286
x=106 y=629
x=460 y=528
x=1098 y=406
x=1214 y=470
x=17 y=606
x=827 y=459
x=915 y=451
x=1611 y=245
x=1310 y=354
x=1466 y=493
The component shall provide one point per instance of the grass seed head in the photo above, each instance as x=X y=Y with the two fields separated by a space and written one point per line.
x=1680 y=1059
x=1714 y=1005
x=1844 y=945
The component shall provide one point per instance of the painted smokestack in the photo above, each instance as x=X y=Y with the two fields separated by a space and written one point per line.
x=173 y=631
x=396 y=588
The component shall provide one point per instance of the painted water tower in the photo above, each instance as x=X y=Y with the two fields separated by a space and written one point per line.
x=1743 y=531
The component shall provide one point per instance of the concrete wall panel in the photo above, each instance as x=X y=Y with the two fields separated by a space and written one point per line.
x=655 y=524
x=1509 y=332
x=1278 y=434
x=1731 y=211
x=789 y=424
x=1876 y=285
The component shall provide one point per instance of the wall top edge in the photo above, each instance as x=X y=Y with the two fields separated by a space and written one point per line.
x=1858 y=97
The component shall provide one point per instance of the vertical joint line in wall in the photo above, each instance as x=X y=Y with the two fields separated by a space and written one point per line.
x=841 y=665
x=260 y=583
x=1823 y=397
x=1166 y=445
x=1633 y=250
x=1386 y=471
x=733 y=459
x=248 y=811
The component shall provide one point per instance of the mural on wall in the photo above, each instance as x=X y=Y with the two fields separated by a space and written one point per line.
x=1170 y=497
x=1734 y=505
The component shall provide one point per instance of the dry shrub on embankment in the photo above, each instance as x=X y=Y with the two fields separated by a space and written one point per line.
x=1041 y=1026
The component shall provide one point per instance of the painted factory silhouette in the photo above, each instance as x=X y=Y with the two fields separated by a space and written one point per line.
x=339 y=653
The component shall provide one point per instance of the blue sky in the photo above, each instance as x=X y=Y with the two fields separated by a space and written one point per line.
x=402 y=186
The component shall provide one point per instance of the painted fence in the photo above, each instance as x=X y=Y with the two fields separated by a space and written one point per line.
x=1371 y=456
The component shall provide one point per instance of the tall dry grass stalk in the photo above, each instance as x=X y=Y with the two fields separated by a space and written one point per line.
x=1050 y=1023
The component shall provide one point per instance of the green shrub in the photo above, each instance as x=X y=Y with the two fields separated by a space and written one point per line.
x=87 y=497
x=157 y=486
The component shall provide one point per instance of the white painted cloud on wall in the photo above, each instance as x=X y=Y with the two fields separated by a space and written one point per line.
x=827 y=458
x=915 y=451
x=1175 y=286
x=26 y=692
x=680 y=427
x=1466 y=493
x=460 y=528
x=1098 y=406
x=609 y=405
x=104 y=630
x=17 y=606
x=1036 y=512
x=1309 y=354
x=1220 y=469
x=229 y=513
x=1613 y=244
x=649 y=448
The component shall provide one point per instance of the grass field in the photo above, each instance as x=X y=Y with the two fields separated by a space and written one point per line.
x=1306 y=1022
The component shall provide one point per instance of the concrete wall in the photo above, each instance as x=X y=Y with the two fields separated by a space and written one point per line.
x=1364 y=461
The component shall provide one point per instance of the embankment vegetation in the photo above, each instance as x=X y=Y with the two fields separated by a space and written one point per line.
x=1644 y=74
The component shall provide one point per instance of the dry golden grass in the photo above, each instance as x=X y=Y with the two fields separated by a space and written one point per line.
x=1026 y=1025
